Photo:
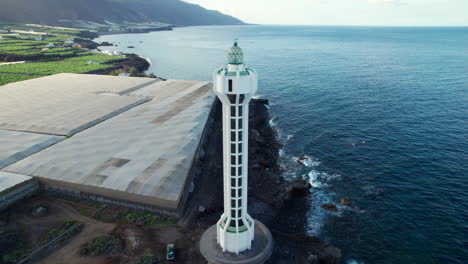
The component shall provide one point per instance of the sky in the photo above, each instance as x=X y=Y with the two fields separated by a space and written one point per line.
x=345 y=12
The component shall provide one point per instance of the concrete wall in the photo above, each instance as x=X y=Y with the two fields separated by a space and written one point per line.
x=17 y=193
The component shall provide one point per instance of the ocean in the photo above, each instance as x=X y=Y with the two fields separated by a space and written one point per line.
x=379 y=115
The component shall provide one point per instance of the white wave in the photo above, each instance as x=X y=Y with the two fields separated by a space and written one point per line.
x=281 y=152
x=307 y=161
x=147 y=59
x=314 y=179
x=316 y=216
x=272 y=122
x=329 y=177
x=289 y=137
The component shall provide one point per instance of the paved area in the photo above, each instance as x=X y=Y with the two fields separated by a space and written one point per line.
x=65 y=104
x=143 y=154
x=262 y=248
x=16 y=146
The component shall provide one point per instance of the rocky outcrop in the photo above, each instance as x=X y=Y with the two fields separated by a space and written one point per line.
x=134 y=64
x=330 y=207
x=86 y=43
x=298 y=187
x=105 y=43
x=346 y=201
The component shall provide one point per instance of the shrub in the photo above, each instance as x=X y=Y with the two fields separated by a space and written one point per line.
x=104 y=245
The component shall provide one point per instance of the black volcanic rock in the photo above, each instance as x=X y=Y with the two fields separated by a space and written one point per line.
x=299 y=187
x=105 y=43
x=330 y=207
x=87 y=44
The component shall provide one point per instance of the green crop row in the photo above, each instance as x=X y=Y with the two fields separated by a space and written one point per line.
x=39 y=29
x=77 y=64
x=7 y=49
x=6 y=78
x=46 y=60
x=21 y=44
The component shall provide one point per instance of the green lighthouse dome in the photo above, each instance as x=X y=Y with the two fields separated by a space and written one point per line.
x=235 y=55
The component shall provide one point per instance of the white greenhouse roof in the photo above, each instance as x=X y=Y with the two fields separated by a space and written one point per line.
x=65 y=104
x=143 y=154
x=9 y=180
x=16 y=145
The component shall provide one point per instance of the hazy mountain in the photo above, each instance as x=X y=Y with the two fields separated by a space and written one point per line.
x=174 y=12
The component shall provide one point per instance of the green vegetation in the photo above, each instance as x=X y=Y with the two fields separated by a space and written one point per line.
x=105 y=245
x=148 y=219
x=147 y=259
x=44 y=59
x=12 y=247
x=37 y=28
x=17 y=255
x=55 y=232
x=6 y=78
x=77 y=64
x=120 y=215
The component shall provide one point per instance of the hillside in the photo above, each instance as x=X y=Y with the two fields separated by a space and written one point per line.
x=49 y=12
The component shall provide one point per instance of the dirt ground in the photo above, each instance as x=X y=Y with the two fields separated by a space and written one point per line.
x=140 y=239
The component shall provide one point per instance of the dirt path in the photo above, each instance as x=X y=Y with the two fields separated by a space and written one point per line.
x=70 y=252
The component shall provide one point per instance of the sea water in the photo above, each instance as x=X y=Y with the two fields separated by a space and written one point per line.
x=379 y=115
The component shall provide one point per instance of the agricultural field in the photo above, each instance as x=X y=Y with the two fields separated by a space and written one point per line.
x=79 y=64
x=9 y=78
x=50 y=54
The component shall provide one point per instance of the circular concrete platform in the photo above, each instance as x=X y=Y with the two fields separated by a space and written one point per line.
x=261 y=250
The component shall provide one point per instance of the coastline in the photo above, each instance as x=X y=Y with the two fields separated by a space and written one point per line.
x=137 y=31
x=270 y=195
x=269 y=206
x=334 y=141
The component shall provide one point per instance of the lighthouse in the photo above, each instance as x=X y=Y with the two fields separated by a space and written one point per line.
x=236 y=236
x=235 y=85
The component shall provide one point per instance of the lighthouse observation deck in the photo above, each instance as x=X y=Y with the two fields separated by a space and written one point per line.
x=120 y=139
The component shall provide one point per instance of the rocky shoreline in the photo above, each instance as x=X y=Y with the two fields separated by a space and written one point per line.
x=139 y=30
x=269 y=193
x=134 y=64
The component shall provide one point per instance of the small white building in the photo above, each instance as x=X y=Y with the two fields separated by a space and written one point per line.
x=50 y=45
x=112 y=53
x=39 y=38
x=69 y=42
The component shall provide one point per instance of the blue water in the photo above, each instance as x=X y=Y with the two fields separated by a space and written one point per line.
x=381 y=112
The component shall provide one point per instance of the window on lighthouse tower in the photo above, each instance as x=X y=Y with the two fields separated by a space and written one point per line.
x=230 y=86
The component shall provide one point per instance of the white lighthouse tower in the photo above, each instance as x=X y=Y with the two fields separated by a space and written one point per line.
x=236 y=237
x=235 y=85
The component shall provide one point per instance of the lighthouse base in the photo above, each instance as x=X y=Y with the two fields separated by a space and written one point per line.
x=262 y=247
